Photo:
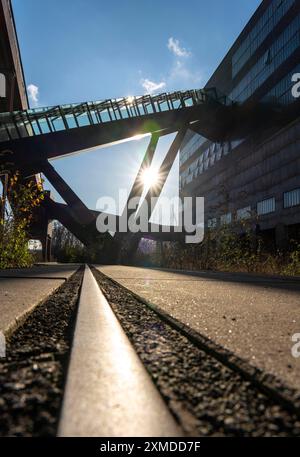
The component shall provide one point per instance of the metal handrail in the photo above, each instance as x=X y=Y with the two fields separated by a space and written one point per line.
x=39 y=121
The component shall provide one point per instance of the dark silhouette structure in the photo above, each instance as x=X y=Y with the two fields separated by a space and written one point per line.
x=29 y=138
x=259 y=173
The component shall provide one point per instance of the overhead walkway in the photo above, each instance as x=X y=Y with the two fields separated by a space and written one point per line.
x=29 y=138
x=45 y=133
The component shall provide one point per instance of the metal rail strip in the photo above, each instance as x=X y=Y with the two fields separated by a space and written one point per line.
x=108 y=391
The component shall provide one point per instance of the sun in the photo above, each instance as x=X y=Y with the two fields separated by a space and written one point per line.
x=150 y=177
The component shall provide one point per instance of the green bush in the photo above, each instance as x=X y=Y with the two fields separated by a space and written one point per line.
x=234 y=248
x=24 y=198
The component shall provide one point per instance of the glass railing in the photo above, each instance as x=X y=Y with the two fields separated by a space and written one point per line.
x=39 y=121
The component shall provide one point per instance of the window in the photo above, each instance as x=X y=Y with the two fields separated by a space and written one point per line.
x=263 y=27
x=282 y=91
x=267 y=57
x=191 y=147
x=291 y=198
x=243 y=213
x=280 y=50
x=266 y=206
x=225 y=218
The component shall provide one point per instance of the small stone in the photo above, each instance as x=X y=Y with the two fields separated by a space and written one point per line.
x=229 y=421
x=273 y=427
x=18 y=386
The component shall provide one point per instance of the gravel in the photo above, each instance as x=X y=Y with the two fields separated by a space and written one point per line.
x=33 y=374
x=206 y=397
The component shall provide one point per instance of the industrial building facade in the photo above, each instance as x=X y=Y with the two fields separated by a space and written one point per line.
x=13 y=94
x=259 y=174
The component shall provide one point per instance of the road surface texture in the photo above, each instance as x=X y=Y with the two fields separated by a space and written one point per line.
x=23 y=289
x=207 y=392
x=32 y=375
x=206 y=396
x=252 y=317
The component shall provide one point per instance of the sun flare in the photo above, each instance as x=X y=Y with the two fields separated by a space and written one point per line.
x=150 y=177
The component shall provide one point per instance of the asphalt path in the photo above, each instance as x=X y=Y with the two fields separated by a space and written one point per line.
x=253 y=317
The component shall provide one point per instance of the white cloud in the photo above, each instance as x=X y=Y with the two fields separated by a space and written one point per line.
x=151 y=86
x=33 y=94
x=174 y=46
x=180 y=77
x=183 y=77
x=183 y=73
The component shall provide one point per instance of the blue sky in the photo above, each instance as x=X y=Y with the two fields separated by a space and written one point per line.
x=79 y=50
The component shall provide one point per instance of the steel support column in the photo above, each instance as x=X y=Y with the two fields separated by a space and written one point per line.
x=164 y=171
x=79 y=210
x=138 y=186
x=155 y=192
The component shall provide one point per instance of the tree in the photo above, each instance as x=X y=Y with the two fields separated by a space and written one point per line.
x=19 y=201
x=65 y=246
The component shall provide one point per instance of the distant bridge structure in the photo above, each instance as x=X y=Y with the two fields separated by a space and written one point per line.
x=29 y=138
